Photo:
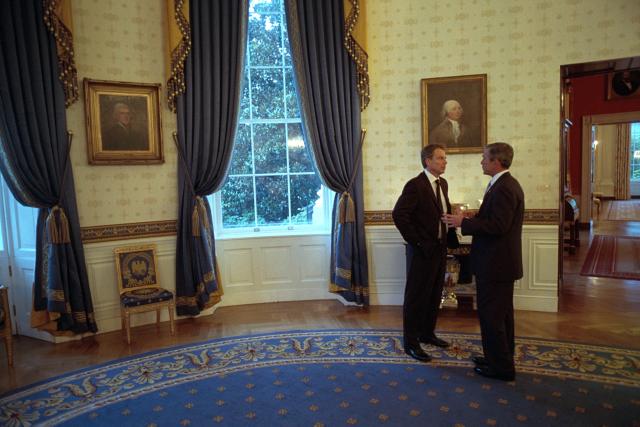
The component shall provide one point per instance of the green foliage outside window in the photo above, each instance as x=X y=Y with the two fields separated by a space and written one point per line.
x=271 y=181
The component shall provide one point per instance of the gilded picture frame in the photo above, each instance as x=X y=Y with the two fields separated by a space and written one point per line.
x=454 y=112
x=136 y=267
x=123 y=123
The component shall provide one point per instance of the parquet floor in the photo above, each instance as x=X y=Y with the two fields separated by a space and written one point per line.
x=592 y=310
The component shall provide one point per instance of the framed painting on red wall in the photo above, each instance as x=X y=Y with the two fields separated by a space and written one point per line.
x=623 y=84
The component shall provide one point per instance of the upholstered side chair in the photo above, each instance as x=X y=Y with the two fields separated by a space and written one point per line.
x=5 y=323
x=138 y=285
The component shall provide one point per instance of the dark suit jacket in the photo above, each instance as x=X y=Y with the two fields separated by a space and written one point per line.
x=496 y=249
x=443 y=135
x=117 y=137
x=417 y=216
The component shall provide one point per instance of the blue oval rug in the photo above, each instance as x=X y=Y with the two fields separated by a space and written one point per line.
x=337 y=377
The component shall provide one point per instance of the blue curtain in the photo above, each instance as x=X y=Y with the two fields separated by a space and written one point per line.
x=207 y=120
x=34 y=160
x=330 y=106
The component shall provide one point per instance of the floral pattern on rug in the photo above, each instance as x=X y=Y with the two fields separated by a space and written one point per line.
x=60 y=399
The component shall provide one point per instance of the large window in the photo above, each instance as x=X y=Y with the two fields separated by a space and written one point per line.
x=272 y=184
x=635 y=152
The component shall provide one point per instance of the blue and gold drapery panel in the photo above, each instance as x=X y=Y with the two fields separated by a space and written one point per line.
x=327 y=76
x=207 y=105
x=35 y=86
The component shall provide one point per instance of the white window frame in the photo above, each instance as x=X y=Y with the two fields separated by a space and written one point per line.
x=326 y=195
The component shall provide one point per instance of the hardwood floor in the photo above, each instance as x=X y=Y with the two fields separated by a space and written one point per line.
x=592 y=310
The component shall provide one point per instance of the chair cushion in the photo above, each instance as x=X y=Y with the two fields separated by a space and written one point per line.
x=145 y=296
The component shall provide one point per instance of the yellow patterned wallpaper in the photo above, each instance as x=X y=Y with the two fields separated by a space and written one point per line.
x=122 y=41
x=519 y=44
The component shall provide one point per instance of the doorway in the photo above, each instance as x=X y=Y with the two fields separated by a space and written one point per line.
x=585 y=106
x=17 y=260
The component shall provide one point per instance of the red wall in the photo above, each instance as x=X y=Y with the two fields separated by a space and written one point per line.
x=588 y=97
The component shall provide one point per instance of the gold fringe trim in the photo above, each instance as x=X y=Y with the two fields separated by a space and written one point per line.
x=358 y=290
x=346 y=209
x=357 y=54
x=55 y=13
x=214 y=298
x=58 y=233
x=198 y=215
x=176 y=84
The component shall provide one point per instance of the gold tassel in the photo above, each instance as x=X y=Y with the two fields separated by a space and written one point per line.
x=346 y=209
x=199 y=214
x=58 y=233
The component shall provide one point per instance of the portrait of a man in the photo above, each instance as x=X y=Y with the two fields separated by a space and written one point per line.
x=454 y=113
x=124 y=124
x=452 y=131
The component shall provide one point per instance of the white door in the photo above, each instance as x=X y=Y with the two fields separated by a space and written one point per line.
x=19 y=227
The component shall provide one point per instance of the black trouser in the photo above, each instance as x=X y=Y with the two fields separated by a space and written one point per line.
x=423 y=293
x=495 y=310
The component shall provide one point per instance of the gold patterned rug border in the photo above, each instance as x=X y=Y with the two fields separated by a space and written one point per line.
x=138 y=230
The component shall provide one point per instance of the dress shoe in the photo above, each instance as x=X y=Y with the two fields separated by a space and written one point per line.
x=435 y=341
x=418 y=354
x=488 y=372
x=479 y=360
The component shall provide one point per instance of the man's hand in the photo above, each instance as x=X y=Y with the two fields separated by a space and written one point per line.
x=452 y=220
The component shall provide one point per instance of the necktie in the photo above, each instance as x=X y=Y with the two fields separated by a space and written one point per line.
x=443 y=227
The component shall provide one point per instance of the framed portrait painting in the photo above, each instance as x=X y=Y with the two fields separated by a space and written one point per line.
x=123 y=123
x=623 y=84
x=454 y=112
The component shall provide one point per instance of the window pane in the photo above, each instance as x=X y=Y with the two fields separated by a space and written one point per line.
x=299 y=157
x=635 y=152
x=245 y=107
x=269 y=146
x=241 y=156
x=271 y=197
x=265 y=39
x=267 y=94
x=237 y=202
x=291 y=99
x=287 y=46
x=265 y=6
x=305 y=191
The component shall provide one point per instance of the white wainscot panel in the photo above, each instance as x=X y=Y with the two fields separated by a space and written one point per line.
x=544 y=265
x=289 y=268
x=314 y=264
x=387 y=265
x=237 y=267
x=277 y=266
x=538 y=289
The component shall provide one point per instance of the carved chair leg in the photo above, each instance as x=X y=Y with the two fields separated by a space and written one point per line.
x=171 y=325
x=127 y=325
x=9 y=345
x=157 y=316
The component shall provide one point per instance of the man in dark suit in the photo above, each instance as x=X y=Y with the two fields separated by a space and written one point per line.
x=418 y=216
x=496 y=260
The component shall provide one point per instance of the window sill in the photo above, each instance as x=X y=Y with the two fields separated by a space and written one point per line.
x=271 y=234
